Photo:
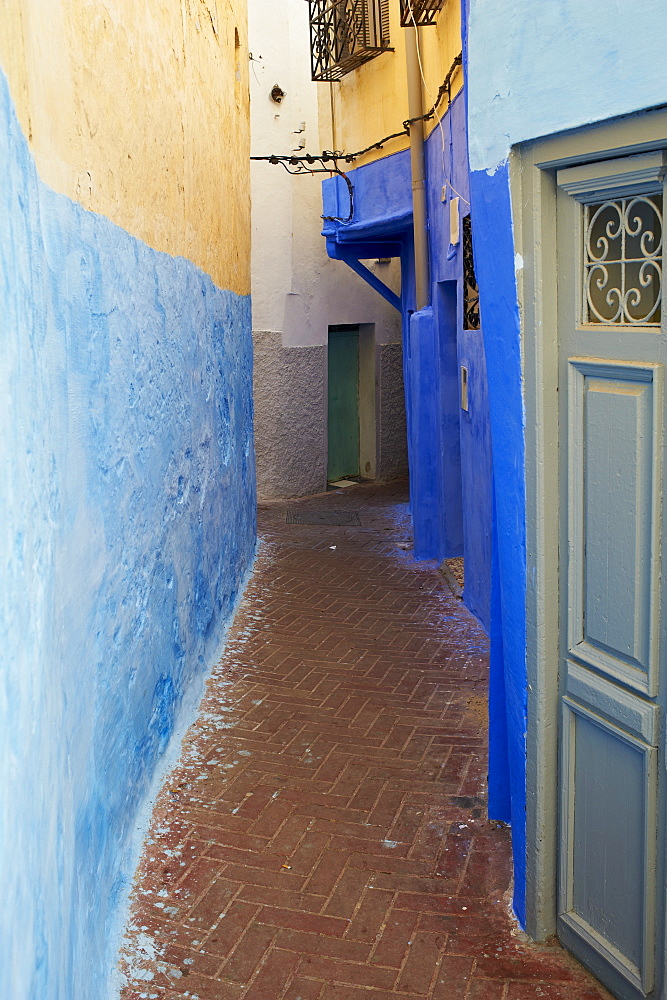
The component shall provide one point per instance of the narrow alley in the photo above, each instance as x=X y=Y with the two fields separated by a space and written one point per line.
x=324 y=834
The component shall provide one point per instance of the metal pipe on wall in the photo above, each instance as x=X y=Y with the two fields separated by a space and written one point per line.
x=419 y=216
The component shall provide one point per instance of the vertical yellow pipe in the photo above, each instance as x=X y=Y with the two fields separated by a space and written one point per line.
x=419 y=216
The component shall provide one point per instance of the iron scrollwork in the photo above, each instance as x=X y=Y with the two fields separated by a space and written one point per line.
x=471 y=320
x=344 y=34
x=623 y=262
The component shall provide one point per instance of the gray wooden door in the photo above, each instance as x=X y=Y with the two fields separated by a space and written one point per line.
x=611 y=373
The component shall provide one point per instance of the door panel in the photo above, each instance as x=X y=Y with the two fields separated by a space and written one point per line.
x=618 y=545
x=608 y=879
x=612 y=356
x=614 y=453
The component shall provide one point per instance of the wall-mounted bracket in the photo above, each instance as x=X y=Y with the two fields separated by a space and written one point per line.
x=373 y=280
x=336 y=252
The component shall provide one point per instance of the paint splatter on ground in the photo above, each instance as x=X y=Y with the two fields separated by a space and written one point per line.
x=324 y=835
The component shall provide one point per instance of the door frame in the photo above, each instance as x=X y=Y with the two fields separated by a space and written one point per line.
x=533 y=190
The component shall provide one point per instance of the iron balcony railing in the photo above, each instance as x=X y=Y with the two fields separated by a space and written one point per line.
x=346 y=33
x=419 y=11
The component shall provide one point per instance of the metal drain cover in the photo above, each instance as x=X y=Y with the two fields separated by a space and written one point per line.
x=340 y=518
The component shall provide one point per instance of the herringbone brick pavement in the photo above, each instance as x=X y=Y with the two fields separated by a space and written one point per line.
x=324 y=835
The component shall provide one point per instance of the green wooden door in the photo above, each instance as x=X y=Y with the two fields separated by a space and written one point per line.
x=343 y=403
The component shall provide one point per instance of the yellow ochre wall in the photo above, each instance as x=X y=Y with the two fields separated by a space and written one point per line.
x=139 y=110
x=372 y=101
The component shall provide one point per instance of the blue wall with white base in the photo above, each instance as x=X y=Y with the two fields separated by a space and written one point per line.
x=127 y=528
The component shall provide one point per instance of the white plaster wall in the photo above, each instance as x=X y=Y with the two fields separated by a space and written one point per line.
x=543 y=66
x=296 y=289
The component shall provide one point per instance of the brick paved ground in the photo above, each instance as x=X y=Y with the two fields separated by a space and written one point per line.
x=324 y=835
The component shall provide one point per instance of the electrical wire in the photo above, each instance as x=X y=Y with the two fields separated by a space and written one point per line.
x=302 y=164
x=440 y=126
x=445 y=88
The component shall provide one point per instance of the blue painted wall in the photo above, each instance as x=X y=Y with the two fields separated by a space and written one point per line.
x=127 y=527
x=382 y=226
x=477 y=477
x=494 y=268
x=494 y=263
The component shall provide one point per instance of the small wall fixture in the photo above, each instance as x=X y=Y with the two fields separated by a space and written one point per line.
x=464 y=387
x=277 y=94
x=454 y=237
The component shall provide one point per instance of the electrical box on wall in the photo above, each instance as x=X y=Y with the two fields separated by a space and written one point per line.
x=464 y=387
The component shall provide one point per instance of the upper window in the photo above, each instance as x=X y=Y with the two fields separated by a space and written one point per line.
x=623 y=261
x=419 y=11
x=622 y=246
x=346 y=33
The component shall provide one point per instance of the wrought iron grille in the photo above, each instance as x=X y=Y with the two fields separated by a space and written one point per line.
x=346 y=33
x=419 y=11
x=470 y=289
x=623 y=261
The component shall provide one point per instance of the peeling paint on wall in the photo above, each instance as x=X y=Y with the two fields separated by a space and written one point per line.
x=536 y=68
x=128 y=524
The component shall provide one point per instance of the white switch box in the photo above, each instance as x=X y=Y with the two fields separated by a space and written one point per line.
x=464 y=387
x=454 y=221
